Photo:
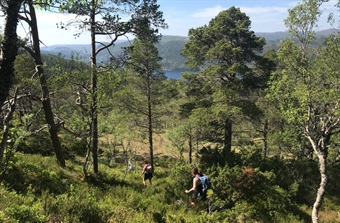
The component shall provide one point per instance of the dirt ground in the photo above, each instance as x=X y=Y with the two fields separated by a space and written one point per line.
x=140 y=150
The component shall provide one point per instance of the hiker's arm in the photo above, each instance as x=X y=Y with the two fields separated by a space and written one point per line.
x=143 y=171
x=194 y=184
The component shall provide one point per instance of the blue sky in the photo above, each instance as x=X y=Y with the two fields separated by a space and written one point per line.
x=266 y=16
x=181 y=15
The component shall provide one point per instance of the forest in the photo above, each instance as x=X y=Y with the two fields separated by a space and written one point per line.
x=262 y=122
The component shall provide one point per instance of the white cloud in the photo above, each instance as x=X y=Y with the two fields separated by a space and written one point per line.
x=212 y=12
x=268 y=18
x=208 y=12
x=293 y=4
x=50 y=20
x=49 y=33
x=264 y=10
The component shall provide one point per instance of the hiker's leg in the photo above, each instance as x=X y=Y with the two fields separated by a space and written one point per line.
x=193 y=197
x=204 y=196
x=144 y=180
x=150 y=178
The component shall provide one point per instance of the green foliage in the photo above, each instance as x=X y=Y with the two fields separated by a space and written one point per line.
x=249 y=194
x=246 y=187
x=309 y=107
x=178 y=137
x=26 y=213
x=216 y=156
x=227 y=53
x=22 y=208
x=75 y=147
x=37 y=144
x=178 y=181
x=86 y=208
x=36 y=189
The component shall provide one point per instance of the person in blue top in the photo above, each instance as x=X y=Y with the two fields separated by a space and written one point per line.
x=197 y=187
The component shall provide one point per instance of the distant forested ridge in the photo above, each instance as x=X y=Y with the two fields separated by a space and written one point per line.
x=169 y=47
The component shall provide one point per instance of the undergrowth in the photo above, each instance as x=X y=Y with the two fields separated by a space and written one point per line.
x=36 y=189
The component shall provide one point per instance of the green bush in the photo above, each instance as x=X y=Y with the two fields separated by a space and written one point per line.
x=26 y=213
x=20 y=208
x=37 y=144
x=36 y=189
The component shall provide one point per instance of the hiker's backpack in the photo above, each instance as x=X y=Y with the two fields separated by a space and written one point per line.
x=149 y=168
x=205 y=181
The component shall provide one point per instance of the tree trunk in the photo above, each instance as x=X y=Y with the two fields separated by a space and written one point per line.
x=321 y=190
x=150 y=121
x=52 y=128
x=94 y=109
x=190 y=148
x=321 y=149
x=9 y=49
x=264 y=135
x=227 y=135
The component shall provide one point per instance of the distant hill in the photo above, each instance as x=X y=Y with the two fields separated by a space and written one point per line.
x=272 y=36
x=170 y=48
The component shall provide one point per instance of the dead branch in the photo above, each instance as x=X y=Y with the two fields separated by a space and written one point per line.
x=7 y=118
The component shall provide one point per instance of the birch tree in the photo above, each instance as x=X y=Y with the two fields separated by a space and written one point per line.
x=308 y=87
